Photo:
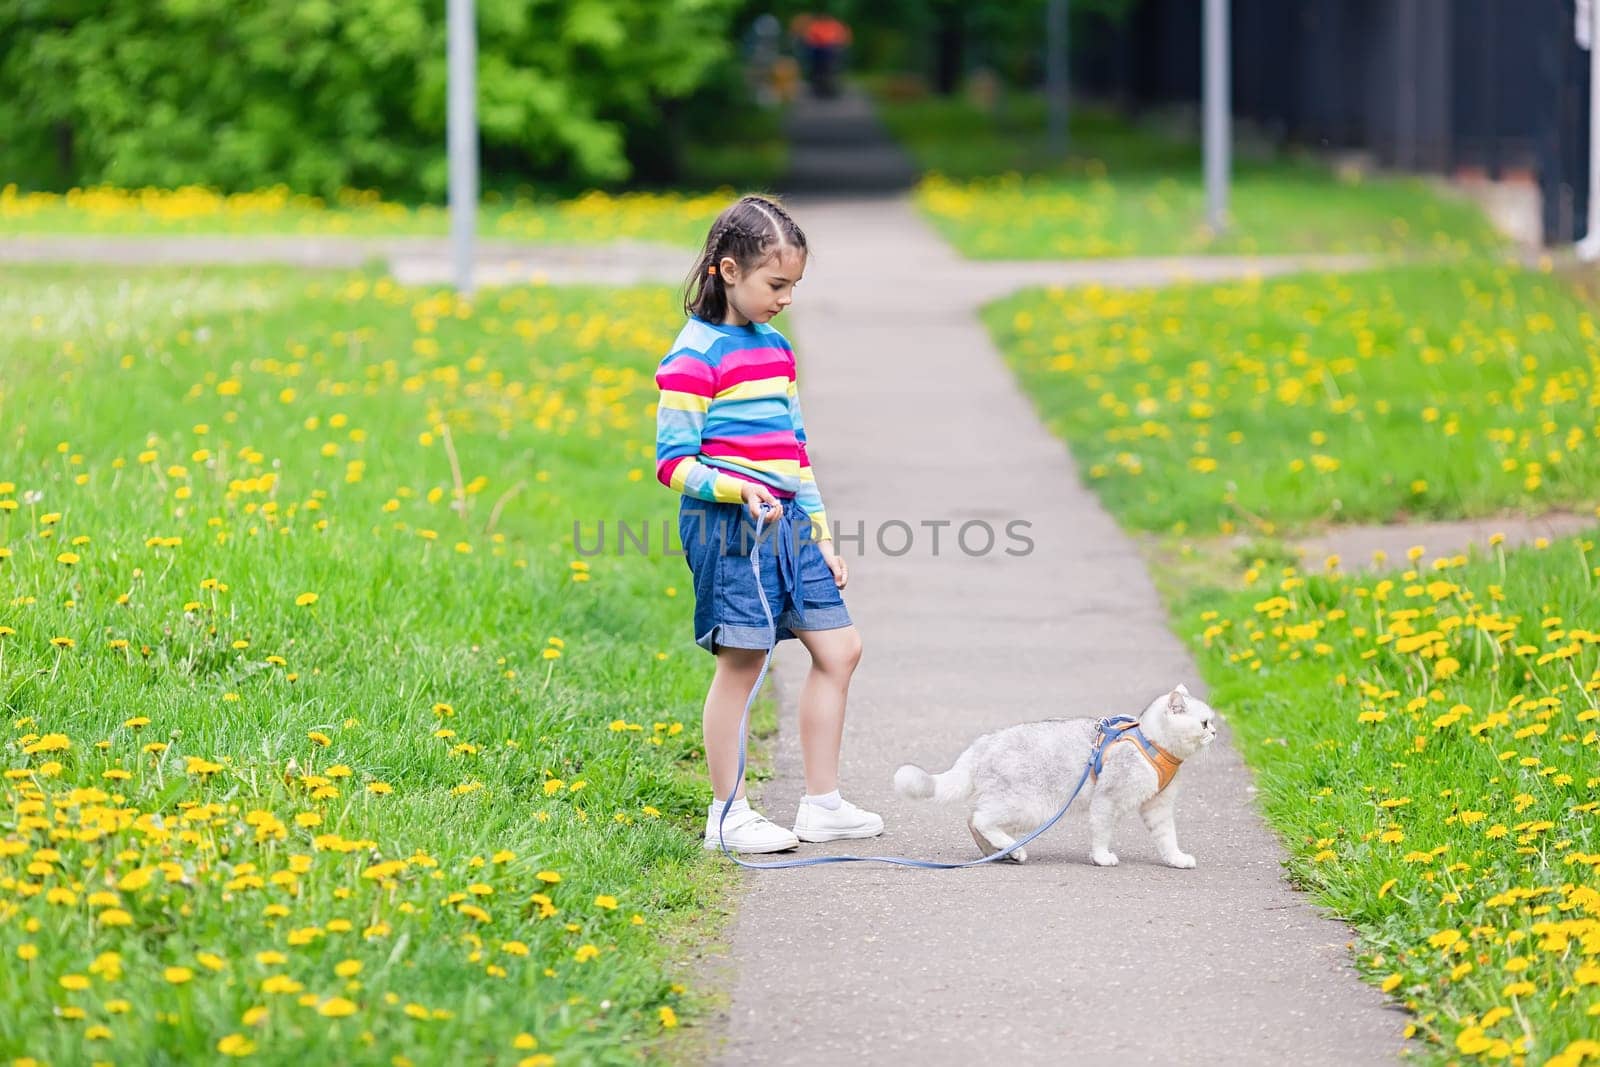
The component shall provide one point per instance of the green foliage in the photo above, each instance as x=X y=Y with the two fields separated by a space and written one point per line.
x=1429 y=391
x=1423 y=741
x=314 y=533
x=323 y=96
x=901 y=35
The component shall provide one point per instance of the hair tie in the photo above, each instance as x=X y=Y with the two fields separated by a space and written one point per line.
x=711 y=269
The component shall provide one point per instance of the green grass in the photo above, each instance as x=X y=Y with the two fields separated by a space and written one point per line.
x=1424 y=741
x=1272 y=406
x=595 y=217
x=1425 y=744
x=956 y=138
x=194 y=740
x=1123 y=191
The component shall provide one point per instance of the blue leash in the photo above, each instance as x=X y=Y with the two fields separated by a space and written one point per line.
x=817 y=861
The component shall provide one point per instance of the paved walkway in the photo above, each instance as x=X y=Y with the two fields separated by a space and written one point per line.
x=1355 y=545
x=916 y=418
x=412 y=260
x=426 y=261
x=839 y=146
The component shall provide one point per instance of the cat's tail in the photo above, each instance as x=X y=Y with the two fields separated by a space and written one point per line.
x=915 y=783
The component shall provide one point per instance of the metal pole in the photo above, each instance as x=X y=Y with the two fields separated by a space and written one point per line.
x=1217 y=111
x=1055 y=66
x=1405 y=147
x=462 y=137
x=1589 y=246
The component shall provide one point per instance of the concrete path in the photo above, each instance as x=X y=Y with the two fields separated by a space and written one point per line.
x=412 y=260
x=1355 y=545
x=840 y=146
x=916 y=419
x=426 y=261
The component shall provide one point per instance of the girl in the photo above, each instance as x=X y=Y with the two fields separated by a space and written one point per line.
x=730 y=438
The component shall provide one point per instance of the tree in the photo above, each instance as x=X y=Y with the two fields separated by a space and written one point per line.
x=943 y=38
x=322 y=95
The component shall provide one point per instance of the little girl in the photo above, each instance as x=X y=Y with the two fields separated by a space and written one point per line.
x=730 y=438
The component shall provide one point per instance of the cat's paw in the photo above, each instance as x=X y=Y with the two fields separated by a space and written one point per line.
x=1181 y=860
x=1104 y=859
x=1019 y=856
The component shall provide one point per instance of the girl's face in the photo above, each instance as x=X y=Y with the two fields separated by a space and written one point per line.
x=757 y=295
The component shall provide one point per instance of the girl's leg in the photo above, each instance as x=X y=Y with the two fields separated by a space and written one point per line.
x=834 y=655
x=737 y=670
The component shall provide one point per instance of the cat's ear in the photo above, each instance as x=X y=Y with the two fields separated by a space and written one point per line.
x=1182 y=689
x=1176 y=704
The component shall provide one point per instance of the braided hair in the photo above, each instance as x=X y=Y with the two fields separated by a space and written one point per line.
x=748 y=231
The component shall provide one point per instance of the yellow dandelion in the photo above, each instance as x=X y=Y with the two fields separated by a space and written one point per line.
x=236 y=1045
x=336 y=1008
x=49 y=743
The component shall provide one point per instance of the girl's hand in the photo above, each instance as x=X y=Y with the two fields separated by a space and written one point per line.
x=754 y=496
x=841 y=573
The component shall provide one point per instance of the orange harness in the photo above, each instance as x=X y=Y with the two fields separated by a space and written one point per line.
x=1117 y=730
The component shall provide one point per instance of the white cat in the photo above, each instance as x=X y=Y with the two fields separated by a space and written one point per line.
x=1018 y=777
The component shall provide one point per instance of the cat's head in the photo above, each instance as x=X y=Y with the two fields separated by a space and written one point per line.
x=1186 y=722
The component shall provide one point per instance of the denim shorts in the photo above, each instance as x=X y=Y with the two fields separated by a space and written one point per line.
x=717 y=541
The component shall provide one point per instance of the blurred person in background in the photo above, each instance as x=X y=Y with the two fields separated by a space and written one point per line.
x=761 y=58
x=821 y=39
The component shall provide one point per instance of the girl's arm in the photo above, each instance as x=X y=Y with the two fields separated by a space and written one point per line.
x=808 y=496
x=687 y=385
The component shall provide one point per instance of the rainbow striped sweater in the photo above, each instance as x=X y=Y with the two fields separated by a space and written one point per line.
x=729 y=413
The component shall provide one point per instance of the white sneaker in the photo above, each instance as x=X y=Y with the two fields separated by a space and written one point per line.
x=813 y=822
x=747 y=830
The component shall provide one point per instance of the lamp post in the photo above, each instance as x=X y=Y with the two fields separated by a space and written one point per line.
x=462 y=137
x=1217 y=113
x=1055 y=66
x=1588 y=34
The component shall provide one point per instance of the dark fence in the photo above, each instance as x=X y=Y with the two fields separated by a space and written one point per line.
x=1497 y=86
